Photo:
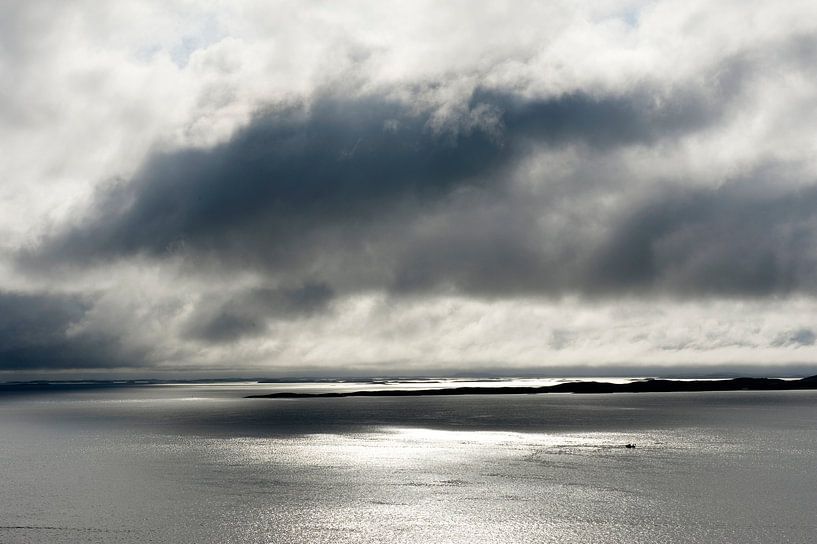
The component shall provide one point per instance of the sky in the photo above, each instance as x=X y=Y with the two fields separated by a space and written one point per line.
x=199 y=188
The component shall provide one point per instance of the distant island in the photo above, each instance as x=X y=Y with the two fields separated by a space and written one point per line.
x=590 y=387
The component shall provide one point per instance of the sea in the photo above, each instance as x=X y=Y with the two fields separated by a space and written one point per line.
x=199 y=463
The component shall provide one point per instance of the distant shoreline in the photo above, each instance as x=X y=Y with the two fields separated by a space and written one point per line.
x=579 y=387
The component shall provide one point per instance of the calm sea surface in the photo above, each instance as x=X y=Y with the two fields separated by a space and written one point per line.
x=201 y=464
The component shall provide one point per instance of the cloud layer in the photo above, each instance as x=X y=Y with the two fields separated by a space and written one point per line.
x=254 y=196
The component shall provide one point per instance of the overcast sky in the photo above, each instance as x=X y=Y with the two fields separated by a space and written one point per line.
x=301 y=187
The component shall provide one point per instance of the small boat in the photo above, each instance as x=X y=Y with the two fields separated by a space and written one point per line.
x=629 y=446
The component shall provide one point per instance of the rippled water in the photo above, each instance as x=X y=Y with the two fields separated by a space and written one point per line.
x=201 y=464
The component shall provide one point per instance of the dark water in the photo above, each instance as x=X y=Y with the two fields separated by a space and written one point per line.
x=201 y=464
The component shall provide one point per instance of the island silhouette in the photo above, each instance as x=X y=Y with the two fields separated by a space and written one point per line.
x=579 y=387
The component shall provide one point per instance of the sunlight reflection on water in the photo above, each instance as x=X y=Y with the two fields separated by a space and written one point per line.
x=122 y=467
x=393 y=445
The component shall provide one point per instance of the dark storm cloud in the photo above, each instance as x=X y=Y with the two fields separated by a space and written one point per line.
x=342 y=162
x=288 y=172
x=796 y=338
x=373 y=193
x=739 y=239
x=248 y=312
x=610 y=121
x=742 y=239
x=35 y=333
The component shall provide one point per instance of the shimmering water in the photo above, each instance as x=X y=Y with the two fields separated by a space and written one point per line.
x=201 y=464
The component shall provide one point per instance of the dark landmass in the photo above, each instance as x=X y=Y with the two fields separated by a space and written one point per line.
x=374 y=381
x=57 y=386
x=640 y=386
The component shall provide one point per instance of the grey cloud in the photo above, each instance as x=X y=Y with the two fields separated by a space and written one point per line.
x=249 y=312
x=287 y=173
x=341 y=163
x=37 y=332
x=753 y=236
x=374 y=193
x=738 y=239
x=638 y=117
x=799 y=337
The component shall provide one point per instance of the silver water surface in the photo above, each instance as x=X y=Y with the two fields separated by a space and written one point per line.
x=201 y=464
